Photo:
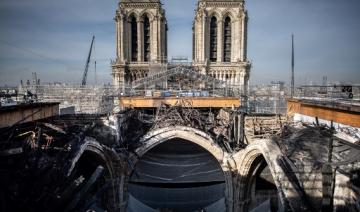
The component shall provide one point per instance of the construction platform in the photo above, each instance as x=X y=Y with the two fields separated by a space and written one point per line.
x=195 y=102
x=342 y=112
x=18 y=114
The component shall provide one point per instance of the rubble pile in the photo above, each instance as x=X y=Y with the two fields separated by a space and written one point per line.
x=217 y=123
x=327 y=166
x=264 y=126
x=44 y=167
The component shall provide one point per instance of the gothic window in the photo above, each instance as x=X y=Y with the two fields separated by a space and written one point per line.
x=213 y=39
x=134 y=39
x=146 y=39
x=227 y=40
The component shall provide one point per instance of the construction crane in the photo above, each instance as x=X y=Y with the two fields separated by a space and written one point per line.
x=87 y=63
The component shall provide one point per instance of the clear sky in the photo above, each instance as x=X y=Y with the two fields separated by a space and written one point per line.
x=52 y=38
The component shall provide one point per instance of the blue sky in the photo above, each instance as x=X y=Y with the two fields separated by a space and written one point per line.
x=52 y=38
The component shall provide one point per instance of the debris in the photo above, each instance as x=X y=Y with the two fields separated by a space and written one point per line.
x=14 y=151
x=94 y=177
x=58 y=129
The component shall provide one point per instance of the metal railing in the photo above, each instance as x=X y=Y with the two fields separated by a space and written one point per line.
x=349 y=94
x=174 y=71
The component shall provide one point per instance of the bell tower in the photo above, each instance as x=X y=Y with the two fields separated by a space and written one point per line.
x=141 y=40
x=220 y=42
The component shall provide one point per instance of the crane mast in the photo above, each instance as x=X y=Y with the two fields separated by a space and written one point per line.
x=87 y=63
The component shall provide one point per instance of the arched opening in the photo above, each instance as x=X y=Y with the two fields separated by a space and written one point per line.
x=89 y=186
x=213 y=39
x=227 y=40
x=146 y=39
x=177 y=175
x=261 y=188
x=134 y=39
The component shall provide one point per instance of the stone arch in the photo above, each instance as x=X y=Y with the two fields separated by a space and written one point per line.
x=247 y=165
x=228 y=13
x=146 y=13
x=198 y=137
x=154 y=138
x=89 y=156
x=132 y=14
x=215 y=14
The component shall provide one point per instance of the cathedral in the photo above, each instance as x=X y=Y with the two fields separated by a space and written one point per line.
x=219 y=41
x=141 y=39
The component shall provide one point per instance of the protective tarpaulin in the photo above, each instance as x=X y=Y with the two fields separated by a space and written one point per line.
x=178 y=175
x=177 y=161
x=181 y=199
x=218 y=206
x=135 y=205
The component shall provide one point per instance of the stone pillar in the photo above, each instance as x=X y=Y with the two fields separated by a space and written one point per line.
x=237 y=76
x=196 y=40
x=163 y=39
x=122 y=40
x=158 y=33
x=128 y=40
x=154 y=45
x=220 y=40
x=140 y=40
x=242 y=45
x=233 y=78
x=118 y=39
x=234 y=38
x=203 y=38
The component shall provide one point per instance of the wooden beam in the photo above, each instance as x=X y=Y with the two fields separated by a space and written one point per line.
x=196 y=102
x=326 y=112
x=18 y=114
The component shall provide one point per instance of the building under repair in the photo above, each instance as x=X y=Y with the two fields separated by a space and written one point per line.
x=178 y=137
x=178 y=158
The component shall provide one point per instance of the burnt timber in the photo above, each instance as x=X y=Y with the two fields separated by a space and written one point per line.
x=94 y=162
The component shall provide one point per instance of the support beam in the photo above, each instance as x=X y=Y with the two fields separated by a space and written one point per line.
x=330 y=111
x=196 y=102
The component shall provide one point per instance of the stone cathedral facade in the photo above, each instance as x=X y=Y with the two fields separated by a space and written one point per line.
x=220 y=41
x=141 y=39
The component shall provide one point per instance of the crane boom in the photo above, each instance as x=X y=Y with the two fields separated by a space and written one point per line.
x=87 y=63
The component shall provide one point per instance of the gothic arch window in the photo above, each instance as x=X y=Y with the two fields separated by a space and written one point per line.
x=227 y=40
x=213 y=39
x=146 y=39
x=134 y=39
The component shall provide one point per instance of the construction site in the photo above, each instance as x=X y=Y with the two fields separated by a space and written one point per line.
x=174 y=136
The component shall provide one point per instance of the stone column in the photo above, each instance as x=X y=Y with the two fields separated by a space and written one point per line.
x=195 y=44
x=163 y=39
x=118 y=39
x=220 y=40
x=234 y=43
x=241 y=82
x=154 y=37
x=128 y=36
x=237 y=78
x=203 y=38
x=233 y=78
x=140 y=40
x=121 y=38
x=159 y=33
x=242 y=45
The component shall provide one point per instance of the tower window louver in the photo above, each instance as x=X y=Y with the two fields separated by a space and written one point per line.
x=134 y=40
x=227 y=40
x=213 y=39
x=146 y=39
